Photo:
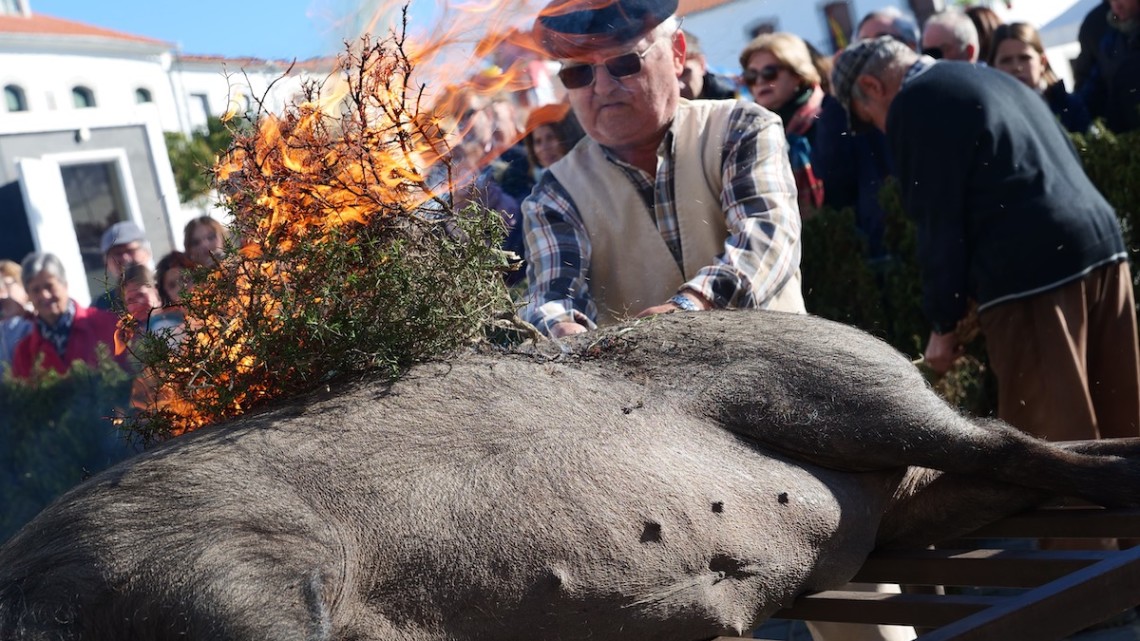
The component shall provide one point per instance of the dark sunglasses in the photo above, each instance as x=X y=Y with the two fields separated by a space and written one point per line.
x=767 y=73
x=933 y=52
x=623 y=66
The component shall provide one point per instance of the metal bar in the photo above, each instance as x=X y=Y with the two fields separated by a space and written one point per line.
x=989 y=568
x=926 y=610
x=1057 y=609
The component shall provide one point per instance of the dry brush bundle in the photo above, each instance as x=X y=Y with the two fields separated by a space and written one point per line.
x=342 y=257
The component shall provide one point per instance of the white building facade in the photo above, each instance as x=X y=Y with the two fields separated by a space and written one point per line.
x=81 y=132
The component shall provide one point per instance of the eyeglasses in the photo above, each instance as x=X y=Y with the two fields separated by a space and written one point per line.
x=768 y=73
x=623 y=66
x=934 y=52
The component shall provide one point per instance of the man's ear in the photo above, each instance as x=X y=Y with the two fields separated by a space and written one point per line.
x=679 y=49
x=971 y=53
x=871 y=86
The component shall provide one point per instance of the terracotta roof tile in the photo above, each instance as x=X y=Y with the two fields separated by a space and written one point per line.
x=39 y=24
x=319 y=63
x=687 y=7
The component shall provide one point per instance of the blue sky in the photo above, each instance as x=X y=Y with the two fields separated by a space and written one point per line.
x=275 y=29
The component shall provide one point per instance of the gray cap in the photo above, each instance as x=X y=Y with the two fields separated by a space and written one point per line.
x=848 y=65
x=121 y=234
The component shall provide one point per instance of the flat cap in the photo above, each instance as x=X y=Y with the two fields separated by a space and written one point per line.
x=120 y=234
x=569 y=28
x=847 y=66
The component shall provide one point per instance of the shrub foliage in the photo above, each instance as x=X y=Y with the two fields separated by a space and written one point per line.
x=55 y=431
x=343 y=259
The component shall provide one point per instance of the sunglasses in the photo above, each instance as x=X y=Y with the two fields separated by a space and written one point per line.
x=767 y=73
x=623 y=66
x=934 y=52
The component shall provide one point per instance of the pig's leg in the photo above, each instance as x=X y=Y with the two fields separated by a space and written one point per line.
x=931 y=506
x=889 y=417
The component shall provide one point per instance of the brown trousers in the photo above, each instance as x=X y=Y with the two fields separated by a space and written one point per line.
x=1067 y=361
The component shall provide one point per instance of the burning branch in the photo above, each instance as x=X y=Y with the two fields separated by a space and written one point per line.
x=343 y=260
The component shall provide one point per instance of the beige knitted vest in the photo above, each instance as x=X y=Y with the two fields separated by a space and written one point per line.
x=631 y=267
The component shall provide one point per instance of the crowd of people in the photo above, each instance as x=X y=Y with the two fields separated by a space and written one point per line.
x=42 y=328
x=660 y=186
x=657 y=184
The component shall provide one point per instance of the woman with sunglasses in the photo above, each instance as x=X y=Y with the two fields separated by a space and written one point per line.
x=1017 y=50
x=780 y=75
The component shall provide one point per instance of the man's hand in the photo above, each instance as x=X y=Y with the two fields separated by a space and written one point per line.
x=699 y=301
x=566 y=328
x=941 y=351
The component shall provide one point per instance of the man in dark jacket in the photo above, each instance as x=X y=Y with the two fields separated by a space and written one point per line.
x=1006 y=218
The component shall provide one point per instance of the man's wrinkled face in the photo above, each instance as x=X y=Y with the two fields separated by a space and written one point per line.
x=939 y=38
x=121 y=256
x=633 y=109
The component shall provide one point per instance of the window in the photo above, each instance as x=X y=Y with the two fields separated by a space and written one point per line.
x=12 y=8
x=143 y=96
x=82 y=97
x=14 y=98
x=95 y=197
x=837 y=21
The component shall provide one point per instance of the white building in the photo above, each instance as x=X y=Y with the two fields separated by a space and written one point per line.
x=81 y=132
x=725 y=26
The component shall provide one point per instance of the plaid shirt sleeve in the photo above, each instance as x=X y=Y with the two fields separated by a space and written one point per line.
x=762 y=251
x=558 y=259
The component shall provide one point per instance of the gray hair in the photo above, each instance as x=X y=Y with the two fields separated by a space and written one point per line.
x=668 y=27
x=959 y=25
x=35 y=263
x=889 y=58
x=902 y=26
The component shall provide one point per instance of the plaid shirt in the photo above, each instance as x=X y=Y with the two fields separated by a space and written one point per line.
x=761 y=252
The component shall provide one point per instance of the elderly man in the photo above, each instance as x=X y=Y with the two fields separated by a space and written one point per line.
x=123 y=245
x=1007 y=218
x=669 y=204
x=951 y=35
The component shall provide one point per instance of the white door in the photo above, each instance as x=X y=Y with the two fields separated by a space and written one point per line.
x=49 y=217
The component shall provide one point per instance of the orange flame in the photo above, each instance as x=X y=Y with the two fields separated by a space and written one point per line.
x=349 y=153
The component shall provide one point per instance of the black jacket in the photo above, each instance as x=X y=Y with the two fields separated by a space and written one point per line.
x=1003 y=206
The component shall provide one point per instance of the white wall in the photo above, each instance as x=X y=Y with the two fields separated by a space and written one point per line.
x=48 y=78
x=227 y=84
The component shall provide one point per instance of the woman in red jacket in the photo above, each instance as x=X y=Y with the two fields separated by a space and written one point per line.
x=64 y=330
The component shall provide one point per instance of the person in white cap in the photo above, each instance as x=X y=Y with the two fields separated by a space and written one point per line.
x=122 y=245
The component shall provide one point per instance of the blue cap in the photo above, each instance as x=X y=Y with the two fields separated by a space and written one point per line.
x=570 y=28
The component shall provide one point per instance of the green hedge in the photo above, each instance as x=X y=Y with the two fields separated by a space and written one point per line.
x=54 y=432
